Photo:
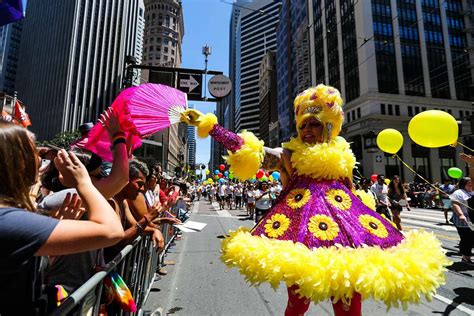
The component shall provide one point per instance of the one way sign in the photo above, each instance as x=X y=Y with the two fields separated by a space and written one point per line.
x=191 y=84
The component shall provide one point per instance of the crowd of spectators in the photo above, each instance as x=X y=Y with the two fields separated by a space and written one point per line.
x=64 y=214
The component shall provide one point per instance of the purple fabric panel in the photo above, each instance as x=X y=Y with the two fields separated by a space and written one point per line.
x=230 y=140
x=351 y=231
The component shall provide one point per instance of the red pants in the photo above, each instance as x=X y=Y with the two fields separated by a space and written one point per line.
x=298 y=306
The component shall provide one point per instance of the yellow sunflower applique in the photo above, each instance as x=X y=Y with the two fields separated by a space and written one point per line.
x=277 y=225
x=339 y=199
x=323 y=227
x=388 y=220
x=373 y=226
x=298 y=198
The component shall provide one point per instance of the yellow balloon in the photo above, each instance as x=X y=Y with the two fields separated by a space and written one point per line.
x=387 y=181
x=433 y=129
x=390 y=140
x=207 y=171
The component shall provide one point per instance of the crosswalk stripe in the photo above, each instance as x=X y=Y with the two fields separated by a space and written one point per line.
x=454 y=304
x=427 y=225
x=429 y=218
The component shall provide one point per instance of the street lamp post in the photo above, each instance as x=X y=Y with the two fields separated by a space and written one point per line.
x=206 y=51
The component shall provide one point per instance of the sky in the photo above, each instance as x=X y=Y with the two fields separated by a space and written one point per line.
x=206 y=22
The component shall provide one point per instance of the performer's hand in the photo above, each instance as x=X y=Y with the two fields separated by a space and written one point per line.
x=191 y=117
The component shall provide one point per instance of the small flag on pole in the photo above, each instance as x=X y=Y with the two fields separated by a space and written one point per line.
x=10 y=11
x=21 y=115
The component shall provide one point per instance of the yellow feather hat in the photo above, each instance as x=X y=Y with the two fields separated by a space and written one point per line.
x=325 y=104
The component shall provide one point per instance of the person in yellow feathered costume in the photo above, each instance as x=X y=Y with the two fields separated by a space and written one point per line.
x=319 y=237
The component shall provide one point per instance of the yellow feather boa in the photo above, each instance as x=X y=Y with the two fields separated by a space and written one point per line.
x=401 y=274
x=333 y=160
x=244 y=163
x=206 y=123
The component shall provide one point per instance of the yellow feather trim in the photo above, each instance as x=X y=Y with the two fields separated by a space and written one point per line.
x=366 y=198
x=244 y=163
x=206 y=123
x=333 y=160
x=401 y=274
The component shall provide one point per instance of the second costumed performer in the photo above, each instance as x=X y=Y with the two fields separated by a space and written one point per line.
x=320 y=238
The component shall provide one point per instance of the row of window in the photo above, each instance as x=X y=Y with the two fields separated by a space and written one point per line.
x=162 y=7
x=158 y=49
x=353 y=115
x=158 y=56
x=159 y=31
x=159 y=40
x=394 y=110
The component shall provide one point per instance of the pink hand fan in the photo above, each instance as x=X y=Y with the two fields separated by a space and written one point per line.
x=142 y=111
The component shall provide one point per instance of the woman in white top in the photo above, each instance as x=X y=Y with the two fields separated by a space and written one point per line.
x=263 y=201
x=461 y=218
x=251 y=201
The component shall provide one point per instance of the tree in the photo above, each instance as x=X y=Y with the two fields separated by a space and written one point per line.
x=62 y=140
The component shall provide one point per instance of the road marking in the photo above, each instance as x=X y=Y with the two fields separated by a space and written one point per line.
x=224 y=213
x=453 y=304
x=195 y=207
x=424 y=224
x=217 y=215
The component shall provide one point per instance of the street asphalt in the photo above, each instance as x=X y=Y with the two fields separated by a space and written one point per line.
x=200 y=284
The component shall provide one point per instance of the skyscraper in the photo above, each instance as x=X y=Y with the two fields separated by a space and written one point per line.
x=138 y=54
x=255 y=35
x=392 y=60
x=293 y=61
x=10 y=37
x=164 y=31
x=191 y=145
x=75 y=71
x=267 y=97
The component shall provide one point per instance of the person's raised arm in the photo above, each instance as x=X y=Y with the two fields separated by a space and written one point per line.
x=118 y=177
x=103 y=229
x=245 y=150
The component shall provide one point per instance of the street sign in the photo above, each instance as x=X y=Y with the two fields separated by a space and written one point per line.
x=190 y=84
x=219 y=86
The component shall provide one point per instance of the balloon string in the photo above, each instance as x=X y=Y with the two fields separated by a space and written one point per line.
x=472 y=150
x=432 y=185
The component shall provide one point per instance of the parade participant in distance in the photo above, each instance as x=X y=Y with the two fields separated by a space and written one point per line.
x=398 y=199
x=461 y=218
x=319 y=238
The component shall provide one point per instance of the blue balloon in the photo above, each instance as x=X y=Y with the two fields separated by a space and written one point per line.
x=216 y=172
x=226 y=173
x=276 y=175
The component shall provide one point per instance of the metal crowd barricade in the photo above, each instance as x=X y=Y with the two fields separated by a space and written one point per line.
x=136 y=263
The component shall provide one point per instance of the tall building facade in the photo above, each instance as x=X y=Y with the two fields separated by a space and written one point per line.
x=10 y=37
x=255 y=35
x=75 y=71
x=293 y=61
x=391 y=60
x=191 y=145
x=164 y=32
x=139 y=38
x=267 y=97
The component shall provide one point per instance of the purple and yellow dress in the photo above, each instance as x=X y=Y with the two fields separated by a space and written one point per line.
x=322 y=237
